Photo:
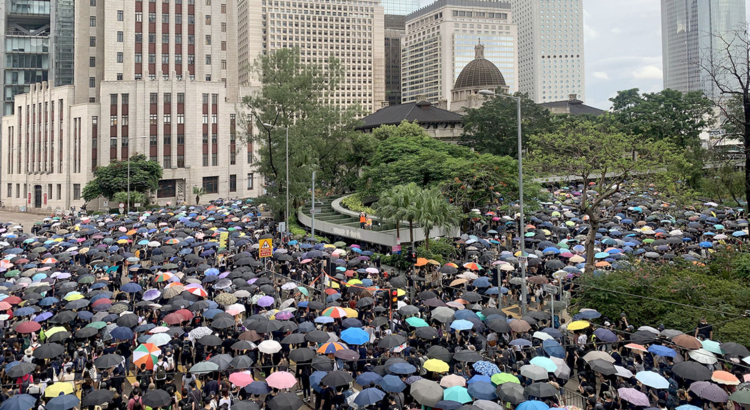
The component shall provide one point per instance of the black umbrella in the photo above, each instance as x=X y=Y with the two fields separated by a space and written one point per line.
x=301 y=355
x=128 y=320
x=97 y=397
x=379 y=321
x=427 y=294
x=602 y=366
x=469 y=356
x=322 y=363
x=86 y=332
x=540 y=390
x=107 y=361
x=157 y=398
x=499 y=325
x=440 y=353
x=285 y=401
x=294 y=338
x=315 y=305
x=471 y=297
x=48 y=350
x=241 y=362
x=63 y=317
x=427 y=333
x=511 y=392
x=337 y=378
x=243 y=345
x=391 y=341
x=210 y=340
x=245 y=405
x=398 y=282
x=222 y=323
x=735 y=349
x=692 y=371
x=20 y=370
x=318 y=336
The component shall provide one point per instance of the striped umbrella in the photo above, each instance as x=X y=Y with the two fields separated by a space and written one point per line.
x=334 y=312
x=147 y=354
x=331 y=347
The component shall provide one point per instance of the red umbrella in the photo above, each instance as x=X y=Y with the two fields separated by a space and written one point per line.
x=188 y=315
x=13 y=300
x=21 y=261
x=331 y=291
x=100 y=301
x=174 y=319
x=28 y=327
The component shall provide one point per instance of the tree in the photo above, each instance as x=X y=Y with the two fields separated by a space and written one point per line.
x=728 y=70
x=667 y=114
x=493 y=128
x=389 y=206
x=135 y=197
x=297 y=96
x=598 y=155
x=434 y=211
x=113 y=178
x=198 y=191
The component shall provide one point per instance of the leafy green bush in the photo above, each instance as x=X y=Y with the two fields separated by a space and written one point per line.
x=441 y=250
x=654 y=294
x=298 y=232
x=354 y=203
x=395 y=260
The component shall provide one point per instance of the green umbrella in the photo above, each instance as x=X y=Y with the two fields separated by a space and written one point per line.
x=97 y=325
x=303 y=291
x=417 y=322
x=204 y=367
x=500 y=378
x=713 y=347
x=741 y=396
x=12 y=274
x=457 y=393
x=339 y=244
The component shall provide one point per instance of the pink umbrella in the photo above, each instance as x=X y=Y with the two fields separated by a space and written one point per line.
x=241 y=379
x=371 y=270
x=633 y=396
x=281 y=380
x=306 y=260
x=284 y=315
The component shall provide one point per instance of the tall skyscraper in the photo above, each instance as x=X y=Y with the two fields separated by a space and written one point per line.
x=395 y=28
x=350 y=30
x=164 y=76
x=401 y=7
x=550 y=48
x=441 y=39
x=691 y=32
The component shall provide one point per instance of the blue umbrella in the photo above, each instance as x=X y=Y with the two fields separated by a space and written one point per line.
x=402 y=368
x=43 y=316
x=259 y=388
x=121 y=333
x=660 y=350
x=324 y=319
x=605 y=335
x=479 y=378
x=18 y=402
x=532 y=405
x=486 y=368
x=315 y=379
x=482 y=391
x=355 y=336
x=652 y=379
x=25 y=311
x=85 y=315
x=683 y=407
x=210 y=313
x=392 y=384
x=552 y=348
x=369 y=396
x=520 y=342
x=367 y=378
x=64 y=402
x=131 y=287
x=706 y=245
x=461 y=324
x=482 y=282
x=465 y=315
x=448 y=405
x=589 y=314
x=551 y=250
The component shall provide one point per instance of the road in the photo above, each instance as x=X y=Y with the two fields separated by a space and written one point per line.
x=25 y=219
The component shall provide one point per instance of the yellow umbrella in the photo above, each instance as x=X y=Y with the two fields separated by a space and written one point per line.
x=354 y=282
x=54 y=330
x=351 y=312
x=334 y=285
x=436 y=365
x=57 y=389
x=329 y=246
x=400 y=292
x=75 y=296
x=578 y=325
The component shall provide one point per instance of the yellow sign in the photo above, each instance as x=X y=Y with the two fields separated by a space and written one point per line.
x=223 y=239
x=265 y=249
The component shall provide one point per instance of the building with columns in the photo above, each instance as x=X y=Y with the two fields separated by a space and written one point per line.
x=154 y=78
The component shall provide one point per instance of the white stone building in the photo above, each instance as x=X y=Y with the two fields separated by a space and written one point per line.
x=180 y=108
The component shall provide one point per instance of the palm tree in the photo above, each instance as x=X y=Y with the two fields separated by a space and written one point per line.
x=198 y=191
x=397 y=204
x=434 y=211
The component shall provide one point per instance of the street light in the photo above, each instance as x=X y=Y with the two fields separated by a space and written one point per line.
x=286 y=218
x=522 y=224
x=129 y=156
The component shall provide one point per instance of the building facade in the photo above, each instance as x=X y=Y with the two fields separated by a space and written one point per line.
x=440 y=41
x=395 y=28
x=691 y=37
x=350 y=30
x=400 y=7
x=550 y=44
x=181 y=108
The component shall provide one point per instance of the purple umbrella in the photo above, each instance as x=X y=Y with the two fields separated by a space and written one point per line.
x=42 y=317
x=633 y=396
x=285 y=315
x=708 y=391
x=151 y=294
x=265 y=301
x=251 y=281
x=363 y=258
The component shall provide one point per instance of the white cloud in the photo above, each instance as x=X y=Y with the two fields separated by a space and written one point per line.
x=601 y=75
x=616 y=30
x=649 y=72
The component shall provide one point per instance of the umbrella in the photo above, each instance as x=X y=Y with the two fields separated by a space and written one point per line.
x=157 y=398
x=691 y=371
x=18 y=402
x=540 y=390
x=652 y=379
x=633 y=396
x=425 y=392
x=96 y=397
x=532 y=405
x=482 y=390
x=534 y=372
x=281 y=380
x=369 y=396
x=64 y=402
x=510 y=392
x=58 y=389
x=337 y=378
x=709 y=391
x=285 y=401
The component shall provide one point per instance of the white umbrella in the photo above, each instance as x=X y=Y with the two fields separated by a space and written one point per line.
x=199 y=332
x=269 y=346
x=542 y=336
x=289 y=286
x=702 y=356
x=623 y=372
x=287 y=303
x=649 y=329
x=242 y=294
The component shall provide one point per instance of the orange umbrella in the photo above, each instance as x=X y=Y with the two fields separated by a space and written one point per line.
x=421 y=262
x=723 y=377
x=451 y=264
x=602 y=264
x=636 y=347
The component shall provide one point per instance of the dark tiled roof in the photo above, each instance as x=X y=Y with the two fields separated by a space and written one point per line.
x=422 y=112
x=574 y=107
x=479 y=73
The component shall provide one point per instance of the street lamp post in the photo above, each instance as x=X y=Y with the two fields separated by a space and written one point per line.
x=286 y=218
x=522 y=224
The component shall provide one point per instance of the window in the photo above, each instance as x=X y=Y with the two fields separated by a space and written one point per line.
x=180 y=98
x=208 y=19
x=223 y=46
x=120 y=15
x=119 y=36
x=167 y=118
x=59 y=191
x=205 y=138
x=223 y=27
x=124 y=120
x=223 y=9
x=153 y=98
x=250 y=180
x=178 y=18
x=167 y=162
x=113 y=142
x=214 y=100
x=178 y=38
x=92 y=82
x=208 y=40
x=77 y=191
x=214 y=160
x=178 y=59
x=214 y=119
x=232 y=157
x=119 y=57
x=125 y=141
x=10 y=191
x=92 y=61
x=205 y=118
x=223 y=64
x=139 y=37
x=92 y=21
x=205 y=160
x=191 y=19
x=233 y=183
x=250 y=156
x=191 y=59
x=208 y=59
x=167 y=139
x=208 y=77
x=152 y=140
x=138 y=17
x=138 y=58
x=166 y=188
x=112 y=120
x=119 y=76
x=152 y=60
x=154 y=118
x=152 y=38
x=49 y=192
x=191 y=39
x=214 y=139
x=167 y=98
x=92 y=3
x=152 y=17
x=211 y=185
x=165 y=38
x=165 y=18
x=180 y=161
x=92 y=41
x=165 y=58
x=113 y=99
x=180 y=139
x=180 y=118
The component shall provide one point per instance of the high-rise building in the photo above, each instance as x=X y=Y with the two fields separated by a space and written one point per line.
x=350 y=30
x=550 y=48
x=401 y=7
x=441 y=40
x=691 y=37
x=395 y=28
x=169 y=91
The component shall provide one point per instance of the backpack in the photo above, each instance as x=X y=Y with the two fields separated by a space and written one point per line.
x=80 y=363
x=161 y=373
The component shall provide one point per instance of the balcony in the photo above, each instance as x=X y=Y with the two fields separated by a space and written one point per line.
x=30 y=7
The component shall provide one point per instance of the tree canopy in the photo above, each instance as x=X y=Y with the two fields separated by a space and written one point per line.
x=113 y=178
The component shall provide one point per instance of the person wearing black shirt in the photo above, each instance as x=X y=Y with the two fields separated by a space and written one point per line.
x=704 y=330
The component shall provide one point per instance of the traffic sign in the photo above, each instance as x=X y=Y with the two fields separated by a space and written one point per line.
x=551 y=289
x=137 y=204
x=265 y=249
x=122 y=205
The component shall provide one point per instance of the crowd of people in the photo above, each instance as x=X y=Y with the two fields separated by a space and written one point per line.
x=192 y=308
